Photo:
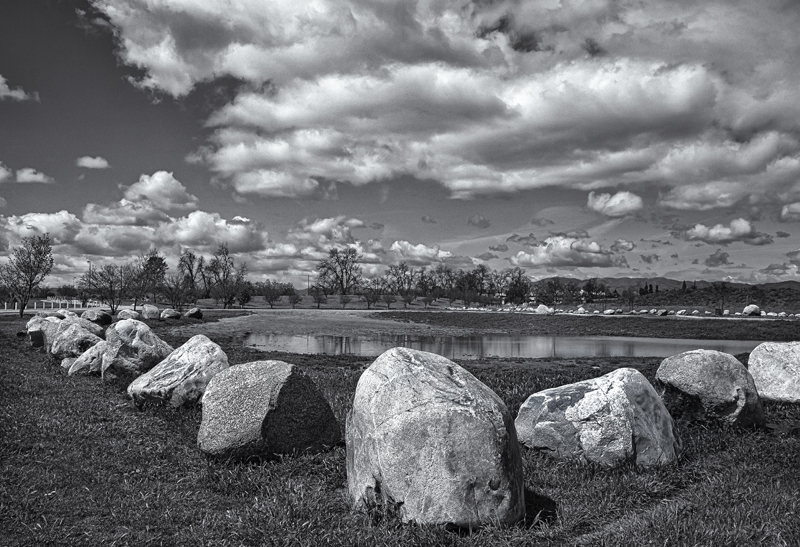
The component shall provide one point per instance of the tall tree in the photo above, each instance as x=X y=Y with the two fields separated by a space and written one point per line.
x=27 y=267
x=149 y=273
x=341 y=270
x=519 y=286
x=110 y=283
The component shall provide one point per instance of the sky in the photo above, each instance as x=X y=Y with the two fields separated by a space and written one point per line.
x=595 y=138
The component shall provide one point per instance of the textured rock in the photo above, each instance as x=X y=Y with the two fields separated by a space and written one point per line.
x=73 y=319
x=427 y=435
x=42 y=331
x=194 y=313
x=264 y=408
x=99 y=317
x=609 y=420
x=72 y=342
x=90 y=361
x=541 y=309
x=609 y=312
x=67 y=362
x=751 y=309
x=132 y=348
x=169 y=313
x=150 y=312
x=182 y=377
x=710 y=385
x=775 y=367
x=128 y=314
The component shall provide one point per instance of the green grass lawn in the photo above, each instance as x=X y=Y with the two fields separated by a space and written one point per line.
x=80 y=466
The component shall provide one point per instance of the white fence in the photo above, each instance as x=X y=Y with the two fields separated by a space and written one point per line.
x=54 y=302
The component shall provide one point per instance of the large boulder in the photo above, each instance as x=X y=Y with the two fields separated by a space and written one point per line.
x=541 y=309
x=609 y=420
x=752 y=309
x=90 y=361
x=150 y=312
x=99 y=317
x=710 y=385
x=194 y=313
x=182 y=377
x=775 y=367
x=132 y=348
x=426 y=435
x=42 y=331
x=72 y=342
x=73 y=319
x=169 y=313
x=264 y=408
x=128 y=314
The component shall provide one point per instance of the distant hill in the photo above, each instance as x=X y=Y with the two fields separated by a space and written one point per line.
x=665 y=284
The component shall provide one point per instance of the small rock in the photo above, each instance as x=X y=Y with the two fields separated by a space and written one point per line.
x=99 y=317
x=181 y=378
x=751 y=309
x=150 y=312
x=169 y=313
x=194 y=313
x=775 y=367
x=609 y=420
x=264 y=408
x=710 y=385
x=128 y=314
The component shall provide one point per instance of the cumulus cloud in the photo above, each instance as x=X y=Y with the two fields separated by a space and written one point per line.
x=618 y=205
x=485 y=97
x=88 y=162
x=479 y=221
x=739 y=230
x=501 y=248
x=326 y=232
x=560 y=251
x=6 y=174
x=650 y=258
x=15 y=94
x=427 y=219
x=622 y=245
x=791 y=212
x=717 y=258
x=419 y=254
x=124 y=212
x=163 y=190
x=28 y=174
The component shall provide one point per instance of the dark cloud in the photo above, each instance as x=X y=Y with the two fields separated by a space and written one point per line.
x=649 y=259
x=778 y=269
x=487 y=256
x=479 y=221
x=541 y=222
x=781 y=233
x=718 y=258
x=623 y=245
x=376 y=226
x=529 y=239
x=427 y=219
x=674 y=256
x=574 y=234
x=501 y=248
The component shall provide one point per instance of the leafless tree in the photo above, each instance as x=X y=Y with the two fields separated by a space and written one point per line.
x=27 y=267
x=341 y=270
x=110 y=283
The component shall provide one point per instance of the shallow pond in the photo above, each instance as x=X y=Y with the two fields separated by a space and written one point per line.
x=495 y=345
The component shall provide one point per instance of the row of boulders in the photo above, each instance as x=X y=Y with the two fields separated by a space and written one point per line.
x=427 y=437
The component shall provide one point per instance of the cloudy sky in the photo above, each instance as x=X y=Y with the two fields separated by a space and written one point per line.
x=583 y=138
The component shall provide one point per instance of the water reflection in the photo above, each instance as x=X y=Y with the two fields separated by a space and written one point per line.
x=495 y=345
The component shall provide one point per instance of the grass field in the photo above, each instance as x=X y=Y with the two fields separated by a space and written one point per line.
x=80 y=466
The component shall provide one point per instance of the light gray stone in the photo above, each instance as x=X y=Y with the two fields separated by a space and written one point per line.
x=427 y=436
x=541 y=309
x=169 y=313
x=609 y=420
x=42 y=331
x=67 y=362
x=72 y=342
x=90 y=361
x=710 y=385
x=97 y=316
x=264 y=408
x=775 y=367
x=73 y=319
x=194 y=313
x=133 y=348
x=128 y=314
x=751 y=309
x=182 y=377
x=150 y=312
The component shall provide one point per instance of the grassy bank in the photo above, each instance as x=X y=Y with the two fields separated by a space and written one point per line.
x=80 y=466
x=590 y=325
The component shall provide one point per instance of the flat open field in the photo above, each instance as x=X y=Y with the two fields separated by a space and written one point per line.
x=80 y=466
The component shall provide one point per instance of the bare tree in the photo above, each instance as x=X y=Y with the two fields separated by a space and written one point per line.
x=341 y=270
x=148 y=275
x=176 y=290
x=225 y=276
x=372 y=291
x=27 y=267
x=110 y=282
